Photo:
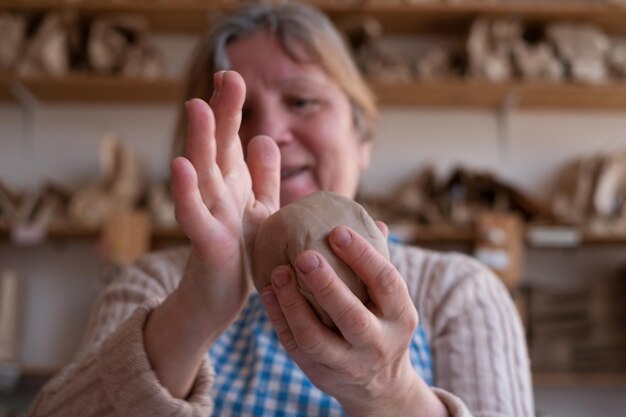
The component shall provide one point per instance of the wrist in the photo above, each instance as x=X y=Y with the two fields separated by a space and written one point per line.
x=178 y=319
x=211 y=299
x=412 y=397
x=201 y=323
x=175 y=346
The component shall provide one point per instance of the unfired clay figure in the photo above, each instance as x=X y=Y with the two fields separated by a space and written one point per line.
x=47 y=52
x=13 y=29
x=305 y=224
x=118 y=45
x=537 y=62
x=583 y=48
x=489 y=48
x=120 y=186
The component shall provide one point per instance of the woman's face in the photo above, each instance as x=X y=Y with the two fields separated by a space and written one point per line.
x=305 y=112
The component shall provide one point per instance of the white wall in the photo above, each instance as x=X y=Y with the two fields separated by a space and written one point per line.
x=533 y=147
x=61 y=280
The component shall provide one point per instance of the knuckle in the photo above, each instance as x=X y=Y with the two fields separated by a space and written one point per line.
x=387 y=279
x=287 y=340
x=325 y=287
x=409 y=320
x=289 y=304
x=364 y=255
x=309 y=341
x=353 y=320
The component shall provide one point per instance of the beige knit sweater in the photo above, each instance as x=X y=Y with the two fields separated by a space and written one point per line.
x=479 y=355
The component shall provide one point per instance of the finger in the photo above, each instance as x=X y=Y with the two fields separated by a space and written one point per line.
x=386 y=287
x=353 y=319
x=201 y=148
x=277 y=318
x=285 y=336
x=264 y=165
x=228 y=104
x=310 y=335
x=191 y=213
x=384 y=229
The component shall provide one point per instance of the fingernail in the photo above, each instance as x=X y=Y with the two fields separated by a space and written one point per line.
x=341 y=237
x=217 y=85
x=307 y=262
x=220 y=76
x=280 y=277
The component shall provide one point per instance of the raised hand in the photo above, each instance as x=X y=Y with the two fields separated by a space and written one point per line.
x=366 y=365
x=220 y=199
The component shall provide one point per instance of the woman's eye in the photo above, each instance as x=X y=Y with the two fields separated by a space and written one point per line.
x=301 y=102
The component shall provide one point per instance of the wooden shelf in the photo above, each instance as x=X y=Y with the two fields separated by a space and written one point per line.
x=92 y=88
x=477 y=94
x=193 y=15
x=441 y=93
x=443 y=234
x=168 y=234
x=55 y=232
x=457 y=18
x=424 y=235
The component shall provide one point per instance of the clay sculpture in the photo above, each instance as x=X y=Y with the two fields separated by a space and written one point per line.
x=120 y=186
x=305 y=224
x=13 y=29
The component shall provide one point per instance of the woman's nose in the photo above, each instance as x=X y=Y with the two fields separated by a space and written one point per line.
x=275 y=124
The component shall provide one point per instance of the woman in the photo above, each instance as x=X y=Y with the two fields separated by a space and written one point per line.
x=290 y=116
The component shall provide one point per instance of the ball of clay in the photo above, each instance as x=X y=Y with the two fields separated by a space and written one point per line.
x=305 y=224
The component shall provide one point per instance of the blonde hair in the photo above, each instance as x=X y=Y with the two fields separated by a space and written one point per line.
x=307 y=36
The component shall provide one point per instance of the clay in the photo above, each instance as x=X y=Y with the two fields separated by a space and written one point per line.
x=489 y=48
x=583 y=48
x=120 y=186
x=48 y=51
x=119 y=45
x=305 y=224
x=13 y=29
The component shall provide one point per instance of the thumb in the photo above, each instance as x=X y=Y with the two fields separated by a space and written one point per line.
x=263 y=159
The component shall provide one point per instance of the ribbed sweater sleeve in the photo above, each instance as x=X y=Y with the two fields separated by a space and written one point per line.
x=476 y=337
x=111 y=375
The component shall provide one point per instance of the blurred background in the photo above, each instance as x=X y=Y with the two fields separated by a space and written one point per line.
x=502 y=135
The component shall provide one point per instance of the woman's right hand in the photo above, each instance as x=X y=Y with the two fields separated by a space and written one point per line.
x=221 y=199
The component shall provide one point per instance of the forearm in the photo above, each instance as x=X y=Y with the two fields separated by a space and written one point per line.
x=180 y=331
x=176 y=342
x=112 y=379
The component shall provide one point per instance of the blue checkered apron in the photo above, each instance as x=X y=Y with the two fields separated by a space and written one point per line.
x=257 y=377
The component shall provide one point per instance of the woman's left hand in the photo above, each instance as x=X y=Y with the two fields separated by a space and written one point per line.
x=366 y=364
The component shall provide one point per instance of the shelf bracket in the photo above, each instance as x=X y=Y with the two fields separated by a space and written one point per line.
x=29 y=105
x=503 y=123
